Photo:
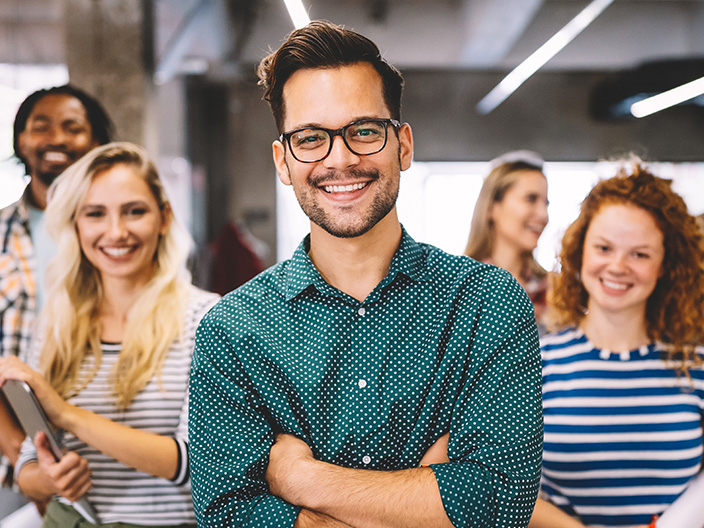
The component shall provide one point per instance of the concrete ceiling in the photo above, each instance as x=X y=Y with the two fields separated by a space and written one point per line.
x=222 y=36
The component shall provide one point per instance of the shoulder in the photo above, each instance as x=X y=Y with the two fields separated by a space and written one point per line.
x=562 y=338
x=11 y=216
x=199 y=302
x=445 y=267
x=252 y=297
x=484 y=292
x=479 y=280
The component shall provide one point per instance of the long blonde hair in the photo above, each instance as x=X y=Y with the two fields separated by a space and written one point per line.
x=502 y=176
x=75 y=293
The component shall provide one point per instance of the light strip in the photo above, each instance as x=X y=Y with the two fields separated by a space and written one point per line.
x=669 y=98
x=297 y=12
x=543 y=54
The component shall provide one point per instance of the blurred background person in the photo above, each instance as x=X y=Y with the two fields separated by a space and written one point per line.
x=52 y=129
x=118 y=330
x=623 y=381
x=510 y=215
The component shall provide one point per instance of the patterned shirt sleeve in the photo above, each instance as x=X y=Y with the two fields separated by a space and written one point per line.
x=229 y=439
x=496 y=429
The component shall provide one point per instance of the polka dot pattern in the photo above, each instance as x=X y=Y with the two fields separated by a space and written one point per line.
x=443 y=343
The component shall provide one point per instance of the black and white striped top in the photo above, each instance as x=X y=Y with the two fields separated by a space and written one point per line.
x=123 y=494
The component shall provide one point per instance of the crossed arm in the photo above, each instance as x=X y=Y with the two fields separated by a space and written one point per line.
x=333 y=496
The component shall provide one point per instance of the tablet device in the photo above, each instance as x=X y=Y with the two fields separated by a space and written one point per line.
x=33 y=419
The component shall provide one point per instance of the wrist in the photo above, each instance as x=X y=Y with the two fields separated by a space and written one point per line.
x=68 y=418
x=302 y=480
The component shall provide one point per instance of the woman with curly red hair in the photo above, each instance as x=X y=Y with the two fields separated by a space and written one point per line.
x=623 y=381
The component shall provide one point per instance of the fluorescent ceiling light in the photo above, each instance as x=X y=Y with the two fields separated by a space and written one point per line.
x=669 y=98
x=297 y=12
x=542 y=55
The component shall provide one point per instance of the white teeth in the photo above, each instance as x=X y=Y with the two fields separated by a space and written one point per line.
x=344 y=188
x=55 y=157
x=614 y=285
x=117 y=252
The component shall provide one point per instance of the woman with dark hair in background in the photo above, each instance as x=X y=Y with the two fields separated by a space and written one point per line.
x=623 y=380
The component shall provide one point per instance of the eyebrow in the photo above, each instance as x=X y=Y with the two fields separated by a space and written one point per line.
x=355 y=120
x=126 y=205
x=48 y=118
x=600 y=238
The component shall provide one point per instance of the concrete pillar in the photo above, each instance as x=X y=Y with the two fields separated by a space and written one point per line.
x=109 y=53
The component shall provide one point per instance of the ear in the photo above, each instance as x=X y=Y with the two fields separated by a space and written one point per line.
x=22 y=143
x=278 y=151
x=167 y=216
x=405 y=138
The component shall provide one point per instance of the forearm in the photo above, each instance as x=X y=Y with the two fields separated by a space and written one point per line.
x=364 y=498
x=34 y=483
x=11 y=435
x=147 y=452
x=547 y=515
x=311 y=519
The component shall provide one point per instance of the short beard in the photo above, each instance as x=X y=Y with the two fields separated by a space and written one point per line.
x=383 y=203
x=47 y=178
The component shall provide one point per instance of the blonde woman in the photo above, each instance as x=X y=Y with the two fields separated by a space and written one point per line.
x=510 y=215
x=114 y=361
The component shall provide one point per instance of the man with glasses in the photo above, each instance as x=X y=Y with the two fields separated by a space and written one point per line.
x=369 y=380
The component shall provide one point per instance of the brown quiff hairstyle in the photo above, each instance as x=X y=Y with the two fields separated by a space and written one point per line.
x=322 y=44
x=675 y=308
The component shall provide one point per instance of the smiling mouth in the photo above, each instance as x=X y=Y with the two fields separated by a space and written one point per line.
x=344 y=188
x=118 y=251
x=55 y=157
x=614 y=285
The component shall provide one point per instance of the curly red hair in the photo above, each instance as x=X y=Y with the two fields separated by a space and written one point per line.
x=675 y=309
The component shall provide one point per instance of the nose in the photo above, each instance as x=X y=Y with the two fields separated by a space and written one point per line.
x=618 y=264
x=340 y=156
x=542 y=212
x=57 y=136
x=117 y=228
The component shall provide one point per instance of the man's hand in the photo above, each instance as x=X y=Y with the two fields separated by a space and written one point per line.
x=288 y=459
x=437 y=453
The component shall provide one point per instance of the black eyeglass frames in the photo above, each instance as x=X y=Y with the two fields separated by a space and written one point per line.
x=363 y=138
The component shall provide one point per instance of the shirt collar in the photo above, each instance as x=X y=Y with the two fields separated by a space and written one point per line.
x=409 y=260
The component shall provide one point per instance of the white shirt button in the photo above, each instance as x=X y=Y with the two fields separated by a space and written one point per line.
x=366 y=459
x=362 y=311
x=362 y=384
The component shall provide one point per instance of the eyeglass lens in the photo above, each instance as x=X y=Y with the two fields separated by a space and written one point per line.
x=362 y=138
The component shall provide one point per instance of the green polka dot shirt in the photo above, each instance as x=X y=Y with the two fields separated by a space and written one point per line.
x=443 y=343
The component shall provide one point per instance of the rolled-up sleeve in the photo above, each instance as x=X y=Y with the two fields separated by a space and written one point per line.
x=496 y=430
x=229 y=439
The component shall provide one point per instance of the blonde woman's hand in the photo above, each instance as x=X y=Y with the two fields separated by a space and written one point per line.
x=53 y=404
x=69 y=477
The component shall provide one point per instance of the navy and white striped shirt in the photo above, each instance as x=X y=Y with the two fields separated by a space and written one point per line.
x=623 y=432
x=120 y=493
